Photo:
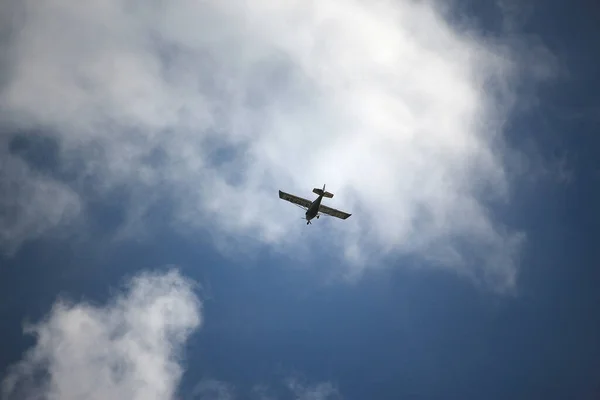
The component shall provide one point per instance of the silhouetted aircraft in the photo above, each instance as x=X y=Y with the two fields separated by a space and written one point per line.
x=314 y=208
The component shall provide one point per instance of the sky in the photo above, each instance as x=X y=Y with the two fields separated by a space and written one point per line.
x=145 y=254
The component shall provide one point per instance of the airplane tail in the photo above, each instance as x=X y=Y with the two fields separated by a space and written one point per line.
x=322 y=192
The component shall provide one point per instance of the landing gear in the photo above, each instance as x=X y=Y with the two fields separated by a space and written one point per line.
x=308 y=221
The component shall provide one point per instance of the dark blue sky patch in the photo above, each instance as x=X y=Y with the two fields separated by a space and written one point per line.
x=156 y=159
x=41 y=152
x=220 y=153
x=226 y=158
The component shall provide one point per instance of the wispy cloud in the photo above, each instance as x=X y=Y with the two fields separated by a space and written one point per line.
x=215 y=105
x=294 y=388
x=127 y=349
x=320 y=391
x=212 y=389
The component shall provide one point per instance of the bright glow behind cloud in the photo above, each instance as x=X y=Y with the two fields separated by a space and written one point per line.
x=216 y=105
x=127 y=350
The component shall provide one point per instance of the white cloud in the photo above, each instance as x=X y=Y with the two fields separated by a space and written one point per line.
x=127 y=349
x=385 y=102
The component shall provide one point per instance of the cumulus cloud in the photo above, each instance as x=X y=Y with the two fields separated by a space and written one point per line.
x=216 y=105
x=127 y=349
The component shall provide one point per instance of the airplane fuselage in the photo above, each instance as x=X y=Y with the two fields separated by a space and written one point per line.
x=313 y=210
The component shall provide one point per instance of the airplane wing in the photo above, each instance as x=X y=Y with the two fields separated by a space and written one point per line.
x=333 y=212
x=295 y=199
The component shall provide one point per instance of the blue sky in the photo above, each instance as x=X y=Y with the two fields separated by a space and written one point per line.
x=141 y=234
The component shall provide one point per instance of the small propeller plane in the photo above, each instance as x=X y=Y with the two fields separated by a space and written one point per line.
x=314 y=208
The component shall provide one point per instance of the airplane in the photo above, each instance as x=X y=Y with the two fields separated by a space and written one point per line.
x=313 y=208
